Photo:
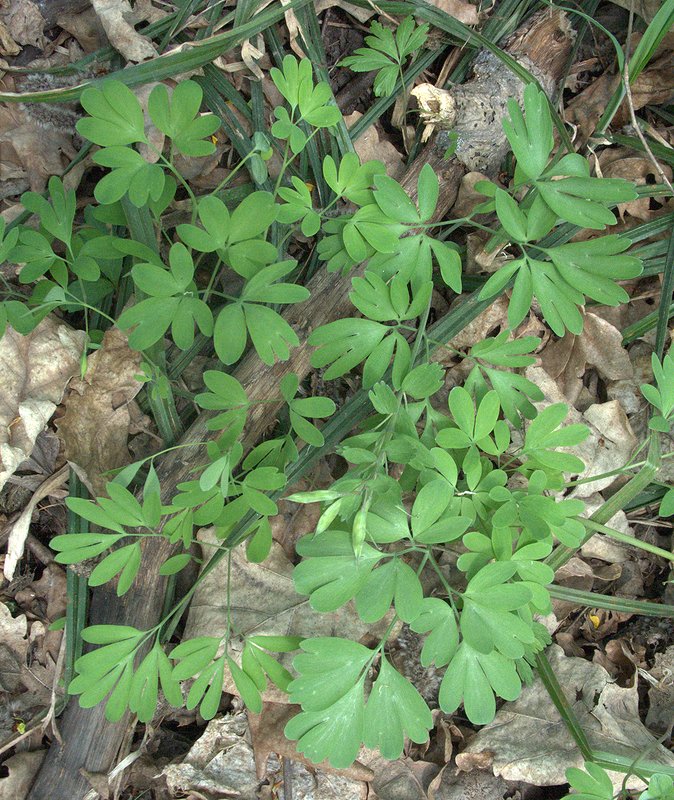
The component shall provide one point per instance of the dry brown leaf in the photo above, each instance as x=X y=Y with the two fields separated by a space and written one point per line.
x=95 y=426
x=661 y=693
x=468 y=196
x=599 y=346
x=371 y=146
x=646 y=9
x=8 y=47
x=474 y=785
x=611 y=441
x=22 y=769
x=28 y=157
x=362 y=15
x=18 y=531
x=24 y=22
x=36 y=369
x=114 y=15
x=86 y=27
x=221 y=763
x=459 y=9
x=529 y=741
x=619 y=162
x=263 y=599
x=266 y=730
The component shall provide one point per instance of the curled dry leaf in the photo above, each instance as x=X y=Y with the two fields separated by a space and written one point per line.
x=8 y=47
x=36 y=369
x=95 y=426
x=529 y=741
x=661 y=693
x=27 y=157
x=18 y=531
x=114 y=15
x=86 y=27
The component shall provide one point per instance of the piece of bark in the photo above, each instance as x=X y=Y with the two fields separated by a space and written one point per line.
x=89 y=741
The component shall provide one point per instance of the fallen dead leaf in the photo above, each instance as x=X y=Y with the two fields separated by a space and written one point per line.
x=95 y=426
x=86 y=27
x=266 y=730
x=599 y=346
x=661 y=693
x=370 y=145
x=24 y=22
x=646 y=9
x=18 y=531
x=603 y=547
x=22 y=769
x=611 y=441
x=8 y=47
x=529 y=741
x=263 y=599
x=114 y=15
x=36 y=369
x=221 y=763
x=464 y=12
x=473 y=785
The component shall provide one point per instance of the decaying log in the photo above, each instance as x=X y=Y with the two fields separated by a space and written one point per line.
x=90 y=743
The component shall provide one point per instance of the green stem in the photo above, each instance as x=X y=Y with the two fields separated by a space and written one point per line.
x=627 y=539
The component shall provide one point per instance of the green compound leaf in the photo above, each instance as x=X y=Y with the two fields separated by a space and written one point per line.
x=334 y=733
x=660 y=787
x=129 y=173
x=227 y=395
x=72 y=548
x=387 y=52
x=662 y=397
x=353 y=181
x=394 y=581
x=544 y=435
x=472 y=678
x=115 y=116
x=344 y=344
x=590 y=783
x=330 y=691
x=438 y=620
x=328 y=668
x=172 y=303
x=56 y=217
x=395 y=709
x=531 y=139
x=487 y=623
x=330 y=572
x=178 y=117
x=125 y=561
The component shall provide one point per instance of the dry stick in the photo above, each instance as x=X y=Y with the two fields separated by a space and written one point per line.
x=93 y=744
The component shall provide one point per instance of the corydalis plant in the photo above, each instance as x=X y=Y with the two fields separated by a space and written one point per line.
x=430 y=483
